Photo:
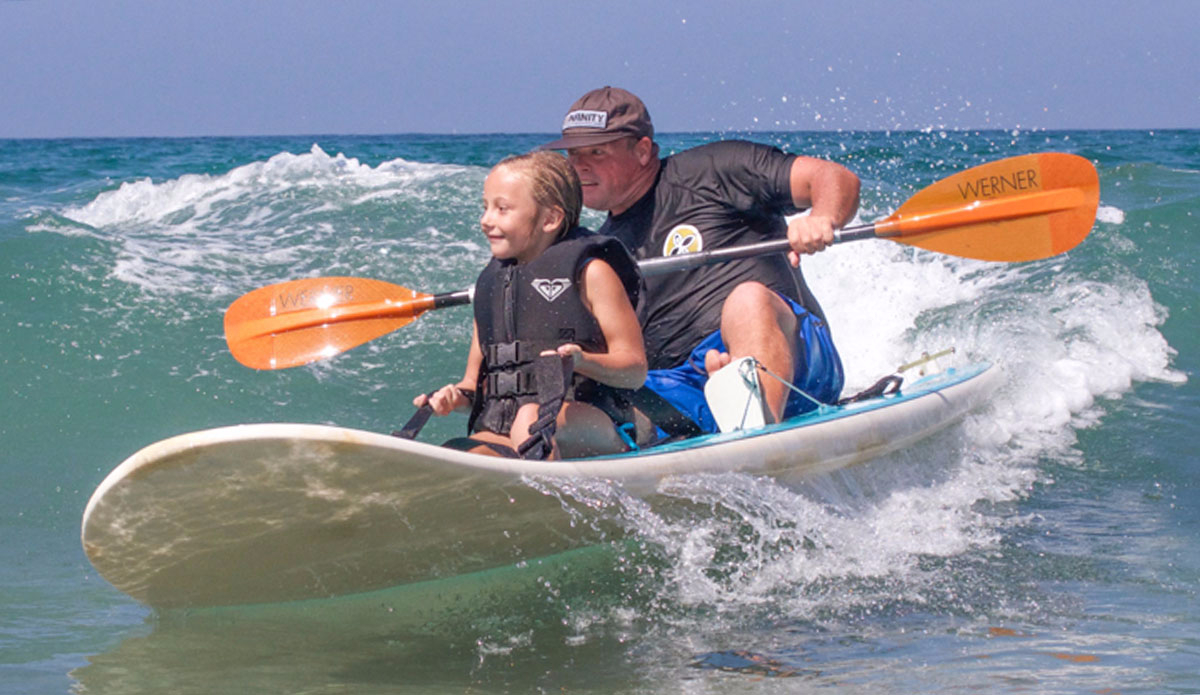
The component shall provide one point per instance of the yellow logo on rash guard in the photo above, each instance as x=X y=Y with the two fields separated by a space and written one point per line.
x=683 y=239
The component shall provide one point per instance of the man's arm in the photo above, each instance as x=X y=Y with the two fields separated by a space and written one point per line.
x=830 y=192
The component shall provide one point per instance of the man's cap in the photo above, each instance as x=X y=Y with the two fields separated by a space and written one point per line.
x=603 y=115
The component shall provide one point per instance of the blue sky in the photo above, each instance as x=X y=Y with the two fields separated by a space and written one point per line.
x=76 y=68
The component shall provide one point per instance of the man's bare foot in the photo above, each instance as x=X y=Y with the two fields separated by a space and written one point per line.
x=714 y=360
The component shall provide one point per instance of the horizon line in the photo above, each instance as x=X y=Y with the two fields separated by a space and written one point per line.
x=552 y=135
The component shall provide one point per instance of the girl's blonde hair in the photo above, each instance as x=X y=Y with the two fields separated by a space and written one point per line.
x=554 y=182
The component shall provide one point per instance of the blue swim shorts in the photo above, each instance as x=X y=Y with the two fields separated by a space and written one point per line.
x=816 y=370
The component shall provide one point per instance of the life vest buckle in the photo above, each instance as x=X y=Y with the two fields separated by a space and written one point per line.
x=503 y=384
x=509 y=354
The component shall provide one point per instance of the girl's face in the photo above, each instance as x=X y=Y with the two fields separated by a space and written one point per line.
x=512 y=222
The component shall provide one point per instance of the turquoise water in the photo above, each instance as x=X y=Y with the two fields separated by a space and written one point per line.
x=1050 y=543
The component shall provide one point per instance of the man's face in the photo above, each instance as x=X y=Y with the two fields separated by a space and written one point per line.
x=608 y=172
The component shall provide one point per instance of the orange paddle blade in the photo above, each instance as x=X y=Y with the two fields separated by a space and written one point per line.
x=1054 y=195
x=297 y=322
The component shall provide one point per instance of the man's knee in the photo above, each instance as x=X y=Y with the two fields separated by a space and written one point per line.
x=755 y=303
x=749 y=295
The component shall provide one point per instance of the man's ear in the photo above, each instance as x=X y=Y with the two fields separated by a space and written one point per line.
x=643 y=149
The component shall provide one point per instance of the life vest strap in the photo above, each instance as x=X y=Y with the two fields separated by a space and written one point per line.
x=888 y=384
x=664 y=415
x=553 y=375
x=412 y=428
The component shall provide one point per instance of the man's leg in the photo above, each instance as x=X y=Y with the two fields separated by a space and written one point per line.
x=755 y=321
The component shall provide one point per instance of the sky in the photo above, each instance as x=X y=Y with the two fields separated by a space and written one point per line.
x=120 y=68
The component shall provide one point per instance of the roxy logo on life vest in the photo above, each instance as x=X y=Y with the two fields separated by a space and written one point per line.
x=550 y=289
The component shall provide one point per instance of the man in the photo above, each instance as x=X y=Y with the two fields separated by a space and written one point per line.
x=716 y=195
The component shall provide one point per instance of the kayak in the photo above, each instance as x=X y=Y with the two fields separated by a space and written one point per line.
x=270 y=513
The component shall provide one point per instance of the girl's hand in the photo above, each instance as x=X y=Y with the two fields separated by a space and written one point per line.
x=568 y=350
x=444 y=401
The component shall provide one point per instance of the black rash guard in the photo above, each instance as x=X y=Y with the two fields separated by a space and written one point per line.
x=722 y=194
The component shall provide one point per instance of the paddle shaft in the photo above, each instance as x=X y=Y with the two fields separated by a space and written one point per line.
x=446 y=299
x=1018 y=209
x=652 y=267
x=896 y=227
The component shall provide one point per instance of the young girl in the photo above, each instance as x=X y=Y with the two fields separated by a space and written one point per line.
x=551 y=289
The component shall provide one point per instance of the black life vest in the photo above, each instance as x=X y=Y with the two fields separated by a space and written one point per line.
x=522 y=309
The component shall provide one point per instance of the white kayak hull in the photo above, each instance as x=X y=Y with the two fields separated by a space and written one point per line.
x=280 y=512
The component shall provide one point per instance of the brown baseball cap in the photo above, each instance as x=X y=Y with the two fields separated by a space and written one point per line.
x=603 y=115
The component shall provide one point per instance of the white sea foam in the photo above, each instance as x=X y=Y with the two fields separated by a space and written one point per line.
x=202 y=232
x=1076 y=338
x=1066 y=340
x=187 y=247
x=1110 y=215
x=873 y=293
x=198 y=196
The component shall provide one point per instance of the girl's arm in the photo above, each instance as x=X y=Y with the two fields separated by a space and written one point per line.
x=450 y=397
x=624 y=365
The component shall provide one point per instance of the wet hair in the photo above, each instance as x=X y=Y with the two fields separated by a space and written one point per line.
x=554 y=182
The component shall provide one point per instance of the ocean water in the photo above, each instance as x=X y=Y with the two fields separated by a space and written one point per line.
x=1048 y=543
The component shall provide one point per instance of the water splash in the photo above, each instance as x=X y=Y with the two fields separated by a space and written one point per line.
x=291 y=215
